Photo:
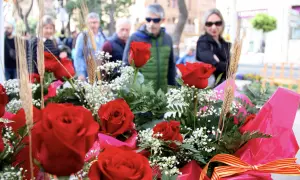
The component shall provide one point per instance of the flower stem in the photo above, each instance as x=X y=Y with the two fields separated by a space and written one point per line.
x=136 y=70
x=63 y=178
x=71 y=83
x=195 y=106
x=42 y=92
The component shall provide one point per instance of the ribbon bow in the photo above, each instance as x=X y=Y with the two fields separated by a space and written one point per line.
x=236 y=166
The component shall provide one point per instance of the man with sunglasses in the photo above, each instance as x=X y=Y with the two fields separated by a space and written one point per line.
x=160 y=69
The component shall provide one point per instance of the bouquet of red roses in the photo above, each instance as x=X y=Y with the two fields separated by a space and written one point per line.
x=123 y=128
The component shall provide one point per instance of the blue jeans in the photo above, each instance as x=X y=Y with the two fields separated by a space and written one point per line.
x=10 y=73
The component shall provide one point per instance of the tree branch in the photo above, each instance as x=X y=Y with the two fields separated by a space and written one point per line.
x=24 y=17
x=29 y=9
x=19 y=9
x=183 y=15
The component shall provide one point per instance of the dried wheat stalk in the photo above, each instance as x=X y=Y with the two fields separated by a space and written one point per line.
x=89 y=58
x=91 y=64
x=40 y=51
x=2 y=69
x=85 y=13
x=228 y=98
x=25 y=91
x=231 y=73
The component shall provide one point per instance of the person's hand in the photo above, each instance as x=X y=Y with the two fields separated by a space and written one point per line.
x=216 y=58
x=81 y=77
x=63 y=55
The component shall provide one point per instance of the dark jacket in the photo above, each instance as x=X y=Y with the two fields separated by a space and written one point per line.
x=9 y=57
x=207 y=47
x=161 y=67
x=115 y=47
x=69 y=42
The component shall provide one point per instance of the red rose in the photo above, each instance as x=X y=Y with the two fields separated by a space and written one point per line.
x=248 y=119
x=116 y=117
x=51 y=63
x=196 y=74
x=65 y=69
x=170 y=131
x=118 y=163
x=22 y=158
x=20 y=120
x=236 y=120
x=63 y=137
x=139 y=53
x=1 y=140
x=3 y=100
x=34 y=78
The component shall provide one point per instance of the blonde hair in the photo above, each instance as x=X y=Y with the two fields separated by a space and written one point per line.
x=48 y=20
x=211 y=12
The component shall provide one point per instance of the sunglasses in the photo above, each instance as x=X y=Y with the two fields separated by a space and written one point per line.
x=210 y=24
x=155 y=20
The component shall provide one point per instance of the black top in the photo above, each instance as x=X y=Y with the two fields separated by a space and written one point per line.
x=9 y=45
x=207 y=47
x=115 y=47
x=69 y=42
x=49 y=46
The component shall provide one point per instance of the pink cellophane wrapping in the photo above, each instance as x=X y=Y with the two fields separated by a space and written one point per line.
x=8 y=115
x=106 y=140
x=220 y=91
x=275 y=118
x=191 y=171
x=52 y=89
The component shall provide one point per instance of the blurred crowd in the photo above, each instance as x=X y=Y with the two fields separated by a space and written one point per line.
x=211 y=48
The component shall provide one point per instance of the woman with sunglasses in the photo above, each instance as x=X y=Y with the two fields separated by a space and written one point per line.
x=211 y=47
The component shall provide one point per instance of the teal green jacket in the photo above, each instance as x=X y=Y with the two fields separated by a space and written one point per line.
x=160 y=69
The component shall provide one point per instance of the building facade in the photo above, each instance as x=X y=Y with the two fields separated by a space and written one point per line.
x=281 y=45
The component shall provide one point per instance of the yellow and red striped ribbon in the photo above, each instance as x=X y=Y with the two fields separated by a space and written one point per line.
x=236 y=165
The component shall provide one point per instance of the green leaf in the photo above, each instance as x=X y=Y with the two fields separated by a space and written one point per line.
x=218 y=79
x=145 y=103
x=19 y=148
x=67 y=95
x=151 y=124
x=37 y=163
x=23 y=131
x=233 y=140
x=257 y=94
x=189 y=147
x=180 y=81
x=166 y=177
